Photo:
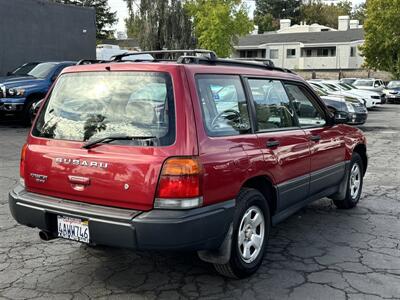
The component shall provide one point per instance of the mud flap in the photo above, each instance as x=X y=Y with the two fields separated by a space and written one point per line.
x=340 y=195
x=222 y=255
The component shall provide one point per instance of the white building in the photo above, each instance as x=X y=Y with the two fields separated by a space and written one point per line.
x=307 y=47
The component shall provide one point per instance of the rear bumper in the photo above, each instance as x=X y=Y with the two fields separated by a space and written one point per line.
x=196 y=229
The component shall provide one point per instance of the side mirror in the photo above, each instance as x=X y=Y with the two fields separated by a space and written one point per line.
x=54 y=78
x=340 y=117
x=8 y=74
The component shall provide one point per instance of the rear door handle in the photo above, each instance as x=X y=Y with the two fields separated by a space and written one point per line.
x=79 y=180
x=315 y=138
x=273 y=143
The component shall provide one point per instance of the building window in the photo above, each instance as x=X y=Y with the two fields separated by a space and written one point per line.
x=318 y=52
x=308 y=52
x=248 y=53
x=273 y=54
x=290 y=53
x=353 y=51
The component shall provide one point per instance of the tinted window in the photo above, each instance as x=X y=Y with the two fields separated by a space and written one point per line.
x=223 y=104
x=345 y=86
x=308 y=113
x=363 y=83
x=42 y=70
x=25 y=69
x=93 y=105
x=394 y=84
x=332 y=87
x=273 y=108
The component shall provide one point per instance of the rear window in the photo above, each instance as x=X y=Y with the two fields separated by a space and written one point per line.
x=363 y=83
x=92 y=105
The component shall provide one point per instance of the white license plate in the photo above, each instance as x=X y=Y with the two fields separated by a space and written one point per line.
x=73 y=229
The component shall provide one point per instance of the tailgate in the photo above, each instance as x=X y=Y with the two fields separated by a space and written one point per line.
x=119 y=179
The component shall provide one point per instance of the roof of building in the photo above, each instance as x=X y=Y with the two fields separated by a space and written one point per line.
x=303 y=37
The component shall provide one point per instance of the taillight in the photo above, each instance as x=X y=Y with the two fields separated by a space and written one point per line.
x=22 y=164
x=179 y=185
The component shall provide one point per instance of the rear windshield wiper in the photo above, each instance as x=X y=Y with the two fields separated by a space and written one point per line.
x=109 y=139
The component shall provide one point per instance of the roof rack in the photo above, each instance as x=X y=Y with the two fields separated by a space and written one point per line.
x=170 y=53
x=265 y=61
x=231 y=62
x=206 y=57
x=90 y=62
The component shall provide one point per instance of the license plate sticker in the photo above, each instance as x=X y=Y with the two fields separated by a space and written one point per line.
x=73 y=229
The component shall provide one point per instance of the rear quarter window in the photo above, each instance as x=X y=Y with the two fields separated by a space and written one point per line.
x=223 y=104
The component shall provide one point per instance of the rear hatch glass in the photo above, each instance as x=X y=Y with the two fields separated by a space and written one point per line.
x=91 y=105
x=84 y=107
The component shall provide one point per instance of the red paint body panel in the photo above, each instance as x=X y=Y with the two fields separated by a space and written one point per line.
x=138 y=167
x=131 y=177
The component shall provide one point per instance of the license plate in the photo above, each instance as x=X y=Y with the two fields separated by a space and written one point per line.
x=73 y=229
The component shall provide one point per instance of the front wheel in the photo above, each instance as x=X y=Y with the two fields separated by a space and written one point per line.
x=251 y=227
x=26 y=117
x=354 y=184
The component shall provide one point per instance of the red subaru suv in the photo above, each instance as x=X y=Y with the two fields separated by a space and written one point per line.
x=198 y=154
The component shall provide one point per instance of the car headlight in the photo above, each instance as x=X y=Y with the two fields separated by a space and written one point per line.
x=3 y=90
x=15 y=92
x=350 y=107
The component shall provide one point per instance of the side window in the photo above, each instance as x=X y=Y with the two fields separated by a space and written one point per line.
x=273 y=108
x=223 y=104
x=308 y=113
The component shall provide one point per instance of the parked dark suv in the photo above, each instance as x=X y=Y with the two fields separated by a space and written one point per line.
x=199 y=153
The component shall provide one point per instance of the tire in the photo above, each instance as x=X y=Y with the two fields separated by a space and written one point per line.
x=26 y=117
x=250 y=203
x=353 y=195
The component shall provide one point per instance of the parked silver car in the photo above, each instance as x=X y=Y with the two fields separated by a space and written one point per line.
x=370 y=84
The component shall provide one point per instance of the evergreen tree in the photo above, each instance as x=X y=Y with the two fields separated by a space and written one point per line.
x=159 y=24
x=132 y=22
x=360 y=12
x=105 y=18
x=268 y=13
x=314 y=11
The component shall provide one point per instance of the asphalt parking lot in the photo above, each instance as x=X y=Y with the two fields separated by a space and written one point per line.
x=319 y=253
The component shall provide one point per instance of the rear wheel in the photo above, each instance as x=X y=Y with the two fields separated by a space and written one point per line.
x=354 y=185
x=251 y=226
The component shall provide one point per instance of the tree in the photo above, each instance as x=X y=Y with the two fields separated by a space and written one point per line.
x=314 y=11
x=359 y=12
x=265 y=22
x=159 y=24
x=219 y=23
x=268 y=13
x=381 y=48
x=132 y=22
x=105 y=18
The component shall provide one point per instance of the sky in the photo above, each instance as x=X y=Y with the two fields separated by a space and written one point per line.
x=120 y=7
